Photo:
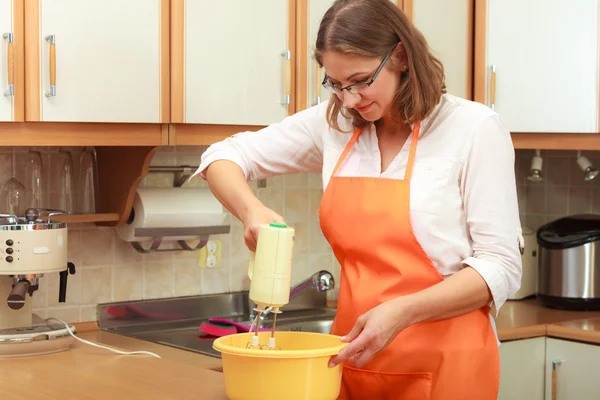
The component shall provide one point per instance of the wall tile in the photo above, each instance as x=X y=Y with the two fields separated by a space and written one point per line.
x=536 y=199
x=301 y=238
x=298 y=181
x=129 y=282
x=188 y=278
x=580 y=200
x=557 y=199
x=215 y=280
x=98 y=285
x=296 y=205
x=557 y=170
x=97 y=247
x=158 y=280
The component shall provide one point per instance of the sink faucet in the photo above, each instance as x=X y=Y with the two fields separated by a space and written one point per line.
x=322 y=281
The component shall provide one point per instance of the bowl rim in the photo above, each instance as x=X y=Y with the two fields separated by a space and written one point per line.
x=223 y=348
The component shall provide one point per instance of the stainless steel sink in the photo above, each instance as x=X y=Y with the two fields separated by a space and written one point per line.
x=311 y=325
x=175 y=322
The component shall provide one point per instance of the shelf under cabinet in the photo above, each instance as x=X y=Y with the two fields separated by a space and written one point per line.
x=87 y=218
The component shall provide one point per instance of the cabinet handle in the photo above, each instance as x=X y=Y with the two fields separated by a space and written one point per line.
x=555 y=364
x=493 y=89
x=11 y=65
x=287 y=55
x=52 y=91
x=318 y=83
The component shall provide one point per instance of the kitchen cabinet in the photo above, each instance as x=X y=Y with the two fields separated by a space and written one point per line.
x=97 y=61
x=447 y=27
x=570 y=369
x=522 y=369
x=536 y=63
x=11 y=61
x=232 y=61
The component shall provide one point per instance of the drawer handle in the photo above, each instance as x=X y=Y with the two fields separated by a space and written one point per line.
x=52 y=91
x=555 y=364
x=493 y=89
x=287 y=55
x=11 y=64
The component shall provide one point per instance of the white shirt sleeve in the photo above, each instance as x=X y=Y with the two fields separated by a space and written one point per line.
x=491 y=207
x=292 y=145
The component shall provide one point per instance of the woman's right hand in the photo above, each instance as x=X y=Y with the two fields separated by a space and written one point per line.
x=257 y=216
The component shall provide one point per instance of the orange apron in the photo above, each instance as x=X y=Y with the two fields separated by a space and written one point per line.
x=367 y=223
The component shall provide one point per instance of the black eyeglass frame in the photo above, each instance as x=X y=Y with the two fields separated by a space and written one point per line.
x=334 y=89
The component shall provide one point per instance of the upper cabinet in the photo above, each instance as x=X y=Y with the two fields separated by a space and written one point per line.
x=536 y=63
x=314 y=73
x=12 y=93
x=447 y=27
x=232 y=61
x=97 y=61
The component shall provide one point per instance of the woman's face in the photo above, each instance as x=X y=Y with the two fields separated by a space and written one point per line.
x=372 y=102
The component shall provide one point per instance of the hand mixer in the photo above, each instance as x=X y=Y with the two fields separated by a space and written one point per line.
x=269 y=270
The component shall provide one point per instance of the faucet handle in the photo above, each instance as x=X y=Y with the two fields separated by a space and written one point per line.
x=323 y=281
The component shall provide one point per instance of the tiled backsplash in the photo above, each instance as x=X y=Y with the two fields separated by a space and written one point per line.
x=563 y=190
x=109 y=269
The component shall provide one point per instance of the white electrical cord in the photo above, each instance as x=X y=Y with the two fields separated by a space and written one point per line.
x=127 y=353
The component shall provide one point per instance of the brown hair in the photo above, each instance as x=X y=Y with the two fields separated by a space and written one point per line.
x=371 y=28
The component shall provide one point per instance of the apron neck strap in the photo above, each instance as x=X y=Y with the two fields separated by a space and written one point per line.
x=413 y=150
x=357 y=132
x=411 y=155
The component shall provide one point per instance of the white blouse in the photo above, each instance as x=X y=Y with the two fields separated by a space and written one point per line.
x=463 y=202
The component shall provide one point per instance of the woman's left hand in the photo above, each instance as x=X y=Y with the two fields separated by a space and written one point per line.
x=372 y=332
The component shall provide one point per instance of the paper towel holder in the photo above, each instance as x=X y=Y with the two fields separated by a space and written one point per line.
x=157 y=235
x=182 y=172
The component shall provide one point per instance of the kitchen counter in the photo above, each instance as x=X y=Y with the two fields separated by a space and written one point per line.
x=90 y=373
x=523 y=319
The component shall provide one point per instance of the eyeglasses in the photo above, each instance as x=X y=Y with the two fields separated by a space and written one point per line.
x=355 y=88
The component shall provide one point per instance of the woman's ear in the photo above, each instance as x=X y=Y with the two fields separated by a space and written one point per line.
x=400 y=61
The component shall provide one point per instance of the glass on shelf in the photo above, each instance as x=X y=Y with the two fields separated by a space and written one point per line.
x=12 y=194
x=34 y=179
x=63 y=181
x=87 y=181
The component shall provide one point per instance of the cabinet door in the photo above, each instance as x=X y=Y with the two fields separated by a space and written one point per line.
x=316 y=10
x=543 y=55
x=447 y=26
x=576 y=365
x=97 y=61
x=12 y=71
x=522 y=369
x=237 y=62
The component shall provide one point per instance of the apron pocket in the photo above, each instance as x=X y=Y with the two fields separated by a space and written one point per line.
x=360 y=384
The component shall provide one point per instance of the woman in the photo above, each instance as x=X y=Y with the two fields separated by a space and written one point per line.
x=419 y=206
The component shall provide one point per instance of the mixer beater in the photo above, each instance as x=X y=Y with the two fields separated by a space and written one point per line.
x=270 y=270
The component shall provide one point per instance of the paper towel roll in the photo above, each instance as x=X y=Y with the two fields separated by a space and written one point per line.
x=172 y=208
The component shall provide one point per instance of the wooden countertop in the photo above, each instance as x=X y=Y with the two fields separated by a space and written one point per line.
x=89 y=373
x=521 y=319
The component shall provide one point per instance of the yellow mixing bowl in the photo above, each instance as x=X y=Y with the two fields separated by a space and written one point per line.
x=298 y=371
